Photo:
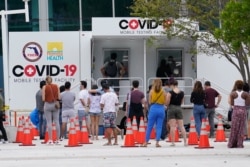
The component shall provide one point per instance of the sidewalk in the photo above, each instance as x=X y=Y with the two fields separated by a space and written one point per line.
x=96 y=155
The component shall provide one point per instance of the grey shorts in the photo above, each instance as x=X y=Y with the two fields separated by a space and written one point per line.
x=174 y=112
x=67 y=115
x=95 y=114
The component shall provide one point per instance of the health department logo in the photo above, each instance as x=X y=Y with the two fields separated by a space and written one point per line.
x=32 y=51
x=54 y=51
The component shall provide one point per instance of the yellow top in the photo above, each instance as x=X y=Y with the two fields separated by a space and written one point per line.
x=157 y=97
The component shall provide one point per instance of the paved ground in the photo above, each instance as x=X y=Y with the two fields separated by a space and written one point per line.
x=96 y=155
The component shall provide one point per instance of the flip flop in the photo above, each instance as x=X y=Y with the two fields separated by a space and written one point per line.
x=115 y=144
x=107 y=144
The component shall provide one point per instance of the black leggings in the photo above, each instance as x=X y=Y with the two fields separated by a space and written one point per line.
x=3 y=130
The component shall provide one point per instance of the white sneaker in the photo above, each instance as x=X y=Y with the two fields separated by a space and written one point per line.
x=50 y=142
x=5 y=142
x=62 y=138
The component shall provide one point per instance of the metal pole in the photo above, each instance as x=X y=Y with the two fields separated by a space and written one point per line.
x=113 y=8
x=80 y=14
x=145 y=65
x=5 y=45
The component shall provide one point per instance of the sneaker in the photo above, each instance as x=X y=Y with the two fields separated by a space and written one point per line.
x=50 y=142
x=5 y=142
x=61 y=138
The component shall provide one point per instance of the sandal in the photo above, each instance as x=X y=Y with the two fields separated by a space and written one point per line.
x=172 y=144
x=144 y=145
x=115 y=144
x=107 y=144
x=157 y=145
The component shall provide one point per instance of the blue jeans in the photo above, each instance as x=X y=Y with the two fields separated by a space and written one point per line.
x=210 y=112
x=82 y=114
x=42 y=124
x=156 y=116
x=199 y=114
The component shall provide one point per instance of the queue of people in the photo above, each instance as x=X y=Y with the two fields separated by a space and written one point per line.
x=161 y=108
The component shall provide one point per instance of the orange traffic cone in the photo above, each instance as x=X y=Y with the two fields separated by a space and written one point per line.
x=72 y=142
x=220 y=134
x=192 y=137
x=153 y=133
x=84 y=135
x=46 y=137
x=32 y=133
x=27 y=137
x=134 y=128
x=54 y=135
x=141 y=136
x=207 y=126
x=19 y=134
x=77 y=126
x=129 y=140
x=204 y=141
x=176 y=137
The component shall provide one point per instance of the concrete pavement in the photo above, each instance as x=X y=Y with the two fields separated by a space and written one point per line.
x=96 y=155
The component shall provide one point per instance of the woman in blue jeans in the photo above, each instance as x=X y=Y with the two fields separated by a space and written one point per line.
x=198 y=98
x=157 y=101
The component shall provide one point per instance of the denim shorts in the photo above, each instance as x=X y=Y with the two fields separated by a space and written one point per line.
x=95 y=114
x=82 y=114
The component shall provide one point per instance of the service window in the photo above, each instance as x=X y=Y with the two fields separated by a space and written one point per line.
x=122 y=57
x=173 y=59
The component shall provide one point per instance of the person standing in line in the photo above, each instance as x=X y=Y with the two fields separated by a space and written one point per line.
x=247 y=89
x=157 y=101
x=175 y=117
x=198 y=99
x=62 y=136
x=238 y=99
x=95 y=112
x=137 y=102
x=108 y=103
x=84 y=105
x=51 y=94
x=40 y=108
x=210 y=96
x=68 y=111
x=165 y=130
x=112 y=70
x=2 y=114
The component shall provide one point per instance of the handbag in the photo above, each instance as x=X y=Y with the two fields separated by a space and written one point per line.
x=57 y=104
x=229 y=114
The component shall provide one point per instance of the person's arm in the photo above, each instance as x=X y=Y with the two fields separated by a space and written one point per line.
x=43 y=92
x=103 y=70
x=122 y=70
x=168 y=98
x=218 y=100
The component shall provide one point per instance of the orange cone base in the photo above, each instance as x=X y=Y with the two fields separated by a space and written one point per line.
x=220 y=140
x=203 y=147
x=26 y=144
x=85 y=143
x=129 y=146
x=79 y=145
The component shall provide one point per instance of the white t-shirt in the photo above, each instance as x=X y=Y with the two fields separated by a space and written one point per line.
x=83 y=94
x=109 y=99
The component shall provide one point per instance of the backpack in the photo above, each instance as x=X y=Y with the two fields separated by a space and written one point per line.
x=111 y=69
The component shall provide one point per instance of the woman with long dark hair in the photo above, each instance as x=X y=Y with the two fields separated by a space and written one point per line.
x=198 y=98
